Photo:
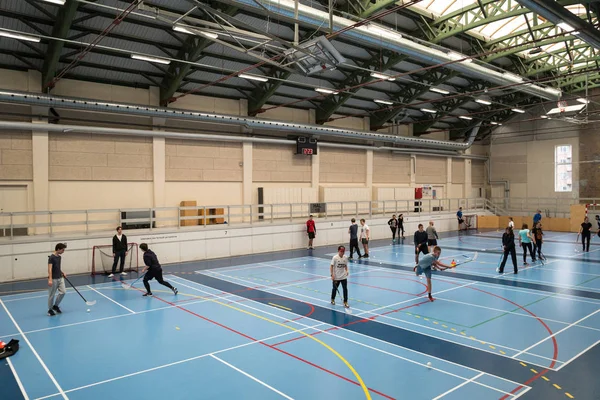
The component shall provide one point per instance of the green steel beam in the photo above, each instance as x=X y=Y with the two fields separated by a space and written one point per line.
x=411 y=93
x=261 y=94
x=370 y=8
x=499 y=53
x=62 y=25
x=535 y=69
x=357 y=77
x=190 y=51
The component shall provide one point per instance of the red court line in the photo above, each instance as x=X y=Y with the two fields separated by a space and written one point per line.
x=351 y=323
x=269 y=346
x=554 y=343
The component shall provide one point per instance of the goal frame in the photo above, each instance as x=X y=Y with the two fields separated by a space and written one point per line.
x=135 y=265
x=471 y=219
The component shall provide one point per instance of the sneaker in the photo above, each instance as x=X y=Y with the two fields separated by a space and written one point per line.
x=111 y=275
x=308 y=248
x=430 y=297
x=346 y=304
x=498 y=269
x=366 y=256
x=525 y=264
x=312 y=248
x=51 y=313
x=57 y=310
x=350 y=258
x=147 y=294
x=175 y=291
x=333 y=302
x=123 y=273
x=516 y=272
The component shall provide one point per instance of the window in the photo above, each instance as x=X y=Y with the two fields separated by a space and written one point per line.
x=563 y=168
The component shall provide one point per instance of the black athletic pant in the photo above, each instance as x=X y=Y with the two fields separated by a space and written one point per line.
x=119 y=255
x=401 y=229
x=513 y=256
x=354 y=245
x=538 y=247
x=155 y=273
x=586 y=238
x=528 y=246
x=336 y=284
x=393 y=232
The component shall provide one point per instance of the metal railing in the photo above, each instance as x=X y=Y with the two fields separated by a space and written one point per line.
x=551 y=207
x=88 y=222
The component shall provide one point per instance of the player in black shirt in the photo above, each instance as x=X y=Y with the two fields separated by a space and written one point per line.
x=154 y=270
x=420 y=240
x=586 y=234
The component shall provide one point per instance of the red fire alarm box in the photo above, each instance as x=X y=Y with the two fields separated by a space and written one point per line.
x=419 y=193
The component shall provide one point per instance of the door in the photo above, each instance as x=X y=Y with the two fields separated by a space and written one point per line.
x=13 y=198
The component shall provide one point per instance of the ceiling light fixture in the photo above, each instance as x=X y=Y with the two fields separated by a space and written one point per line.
x=19 y=36
x=253 y=77
x=465 y=117
x=495 y=123
x=483 y=101
x=389 y=103
x=382 y=76
x=429 y=110
x=59 y=2
x=544 y=116
x=150 y=59
x=437 y=90
x=328 y=91
x=518 y=110
x=582 y=100
x=194 y=31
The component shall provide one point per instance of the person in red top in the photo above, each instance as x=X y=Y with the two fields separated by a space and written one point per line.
x=311 y=230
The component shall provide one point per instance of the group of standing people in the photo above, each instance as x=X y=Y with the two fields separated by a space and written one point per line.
x=529 y=240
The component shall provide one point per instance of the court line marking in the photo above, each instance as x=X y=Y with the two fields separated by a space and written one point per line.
x=405 y=322
x=14 y=371
x=459 y=386
x=278 y=306
x=35 y=297
x=251 y=377
x=306 y=327
x=60 y=390
x=166 y=365
x=577 y=356
x=513 y=312
x=556 y=333
x=114 y=301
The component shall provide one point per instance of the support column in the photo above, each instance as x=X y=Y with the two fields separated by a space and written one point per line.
x=449 y=173
x=247 y=174
x=159 y=165
x=315 y=169
x=369 y=180
x=468 y=187
x=40 y=147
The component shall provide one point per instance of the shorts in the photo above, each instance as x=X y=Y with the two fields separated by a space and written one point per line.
x=426 y=271
x=460 y=220
x=311 y=235
x=364 y=241
x=422 y=249
x=431 y=242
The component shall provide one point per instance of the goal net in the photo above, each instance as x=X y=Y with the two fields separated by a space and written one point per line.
x=470 y=221
x=102 y=259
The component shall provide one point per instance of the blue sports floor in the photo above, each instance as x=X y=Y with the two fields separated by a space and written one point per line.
x=262 y=327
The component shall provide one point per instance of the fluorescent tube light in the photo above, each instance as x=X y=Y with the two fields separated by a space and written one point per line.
x=437 y=90
x=382 y=76
x=495 y=123
x=20 y=36
x=59 y=2
x=544 y=116
x=383 y=102
x=518 y=110
x=465 y=117
x=253 y=77
x=150 y=59
x=429 y=110
x=194 y=31
x=483 y=101
x=328 y=91
x=582 y=100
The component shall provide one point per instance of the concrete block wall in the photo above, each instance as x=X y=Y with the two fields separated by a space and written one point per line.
x=431 y=170
x=278 y=163
x=390 y=168
x=203 y=161
x=342 y=166
x=16 y=157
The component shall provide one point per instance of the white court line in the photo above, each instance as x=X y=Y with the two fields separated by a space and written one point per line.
x=459 y=386
x=69 y=290
x=168 y=365
x=60 y=390
x=252 y=377
x=554 y=334
x=314 y=327
x=363 y=312
x=14 y=371
x=577 y=356
x=114 y=301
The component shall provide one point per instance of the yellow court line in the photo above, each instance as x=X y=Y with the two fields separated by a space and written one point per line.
x=533 y=370
x=277 y=305
x=556 y=386
x=338 y=355
x=546 y=379
x=569 y=395
x=523 y=364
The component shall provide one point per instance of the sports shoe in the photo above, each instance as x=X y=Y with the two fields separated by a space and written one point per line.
x=516 y=272
x=58 y=310
x=346 y=304
x=175 y=291
x=51 y=313
x=147 y=294
x=123 y=273
x=350 y=258
x=111 y=275
x=332 y=302
x=430 y=297
x=498 y=269
x=366 y=256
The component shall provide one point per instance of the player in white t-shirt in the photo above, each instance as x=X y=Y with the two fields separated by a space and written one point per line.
x=339 y=274
x=365 y=235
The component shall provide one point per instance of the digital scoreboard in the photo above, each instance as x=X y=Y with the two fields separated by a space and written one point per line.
x=306 y=146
